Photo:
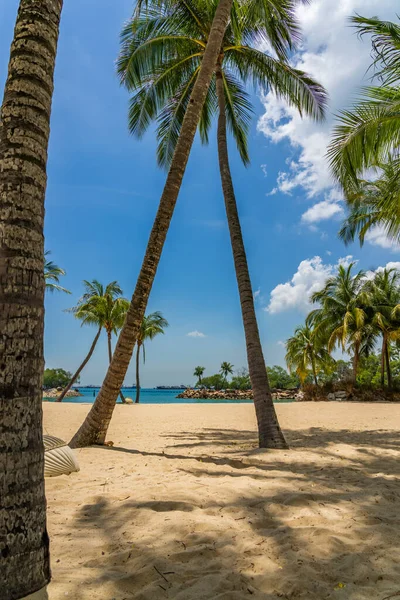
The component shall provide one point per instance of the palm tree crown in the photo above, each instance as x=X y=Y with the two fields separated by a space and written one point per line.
x=198 y=372
x=161 y=53
x=52 y=274
x=152 y=325
x=305 y=354
x=101 y=306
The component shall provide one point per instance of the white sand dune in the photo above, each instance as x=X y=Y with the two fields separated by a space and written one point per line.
x=184 y=507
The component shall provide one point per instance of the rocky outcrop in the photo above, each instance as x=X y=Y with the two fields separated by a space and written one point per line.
x=55 y=392
x=199 y=394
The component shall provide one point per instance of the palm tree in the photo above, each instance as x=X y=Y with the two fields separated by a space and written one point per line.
x=24 y=135
x=383 y=293
x=198 y=372
x=94 y=428
x=161 y=90
x=342 y=319
x=52 y=274
x=305 y=354
x=152 y=325
x=374 y=203
x=226 y=369
x=267 y=13
x=102 y=307
x=367 y=135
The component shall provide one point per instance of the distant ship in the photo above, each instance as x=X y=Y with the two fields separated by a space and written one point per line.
x=171 y=387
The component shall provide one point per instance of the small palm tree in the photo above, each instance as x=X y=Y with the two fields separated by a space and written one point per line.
x=102 y=307
x=342 y=319
x=226 y=369
x=52 y=274
x=198 y=372
x=305 y=354
x=383 y=293
x=152 y=325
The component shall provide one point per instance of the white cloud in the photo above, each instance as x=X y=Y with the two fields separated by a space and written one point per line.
x=272 y=192
x=334 y=55
x=310 y=277
x=264 y=170
x=377 y=237
x=280 y=343
x=196 y=334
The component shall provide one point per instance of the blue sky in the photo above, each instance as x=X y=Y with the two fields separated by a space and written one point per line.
x=104 y=187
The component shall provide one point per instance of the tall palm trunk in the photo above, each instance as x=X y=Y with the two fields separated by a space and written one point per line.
x=269 y=431
x=94 y=428
x=356 y=360
x=24 y=135
x=383 y=357
x=314 y=370
x=80 y=369
x=109 y=334
x=388 y=369
x=137 y=374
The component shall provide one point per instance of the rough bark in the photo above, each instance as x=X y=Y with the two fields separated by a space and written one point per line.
x=269 y=431
x=137 y=374
x=388 y=369
x=24 y=136
x=383 y=358
x=94 y=428
x=356 y=360
x=109 y=334
x=80 y=369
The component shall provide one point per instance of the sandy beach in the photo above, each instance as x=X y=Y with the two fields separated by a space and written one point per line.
x=184 y=507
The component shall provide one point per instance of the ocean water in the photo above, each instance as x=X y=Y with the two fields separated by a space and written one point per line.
x=149 y=396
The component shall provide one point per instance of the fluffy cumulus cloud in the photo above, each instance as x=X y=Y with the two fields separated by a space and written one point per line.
x=333 y=54
x=310 y=277
x=377 y=237
x=196 y=334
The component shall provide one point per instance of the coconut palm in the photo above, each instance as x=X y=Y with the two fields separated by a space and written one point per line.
x=342 y=319
x=374 y=203
x=226 y=369
x=383 y=293
x=198 y=372
x=368 y=135
x=104 y=308
x=52 y=274
x=152 y=325
x=264 y=15
x=24 y=135
x=161 y=89
x=305 y=354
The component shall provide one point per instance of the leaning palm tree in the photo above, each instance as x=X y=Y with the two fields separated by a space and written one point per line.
x=152 y=325
x=226 y=369
x=383 y=293
x=368 y=134
x=305 y=354
x=52 y=274
x=161 y=90
x=342 y=320
x=24 y=135
x=104 y=308
x=198 y=372
x=261 y=15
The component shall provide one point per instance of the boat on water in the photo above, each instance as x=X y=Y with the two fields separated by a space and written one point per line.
x=171 y=387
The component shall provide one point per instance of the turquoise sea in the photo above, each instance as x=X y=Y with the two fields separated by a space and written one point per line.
x=148 y=396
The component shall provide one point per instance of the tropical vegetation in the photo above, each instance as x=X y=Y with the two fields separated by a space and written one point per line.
x=198 y=372
x=104 y=308
x=52 y=274
x=357 y=313
x=367 y=137
x=152 y=325
x=54 y=378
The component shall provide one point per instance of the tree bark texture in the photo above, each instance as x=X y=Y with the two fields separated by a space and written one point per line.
x=95 y=426
x=269 y=431
x=24 y=136
x=137 y=374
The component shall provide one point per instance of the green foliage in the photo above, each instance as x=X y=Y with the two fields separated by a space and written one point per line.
x=306 y=354
x=163 y=45
x=52 y=274
x=279 y=378
x=216 y=381
x=152 y=325
x=241 y=380
x=198 y=372
x=54 y=378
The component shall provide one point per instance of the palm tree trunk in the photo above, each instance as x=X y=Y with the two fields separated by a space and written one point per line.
x=383 y=356
x=80 y=369
x=388 y=369
x=314 y=370
x=24 y=136
x=356 y=360
x=94 y=428
x=269 y=431
x=137 y=374
x=109 y=334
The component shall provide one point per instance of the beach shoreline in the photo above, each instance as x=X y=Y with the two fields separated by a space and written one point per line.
x=185 y=506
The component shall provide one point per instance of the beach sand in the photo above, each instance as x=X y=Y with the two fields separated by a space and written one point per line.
x=184 y=507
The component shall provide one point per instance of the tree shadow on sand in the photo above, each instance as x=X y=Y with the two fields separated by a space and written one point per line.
x=318 y=522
